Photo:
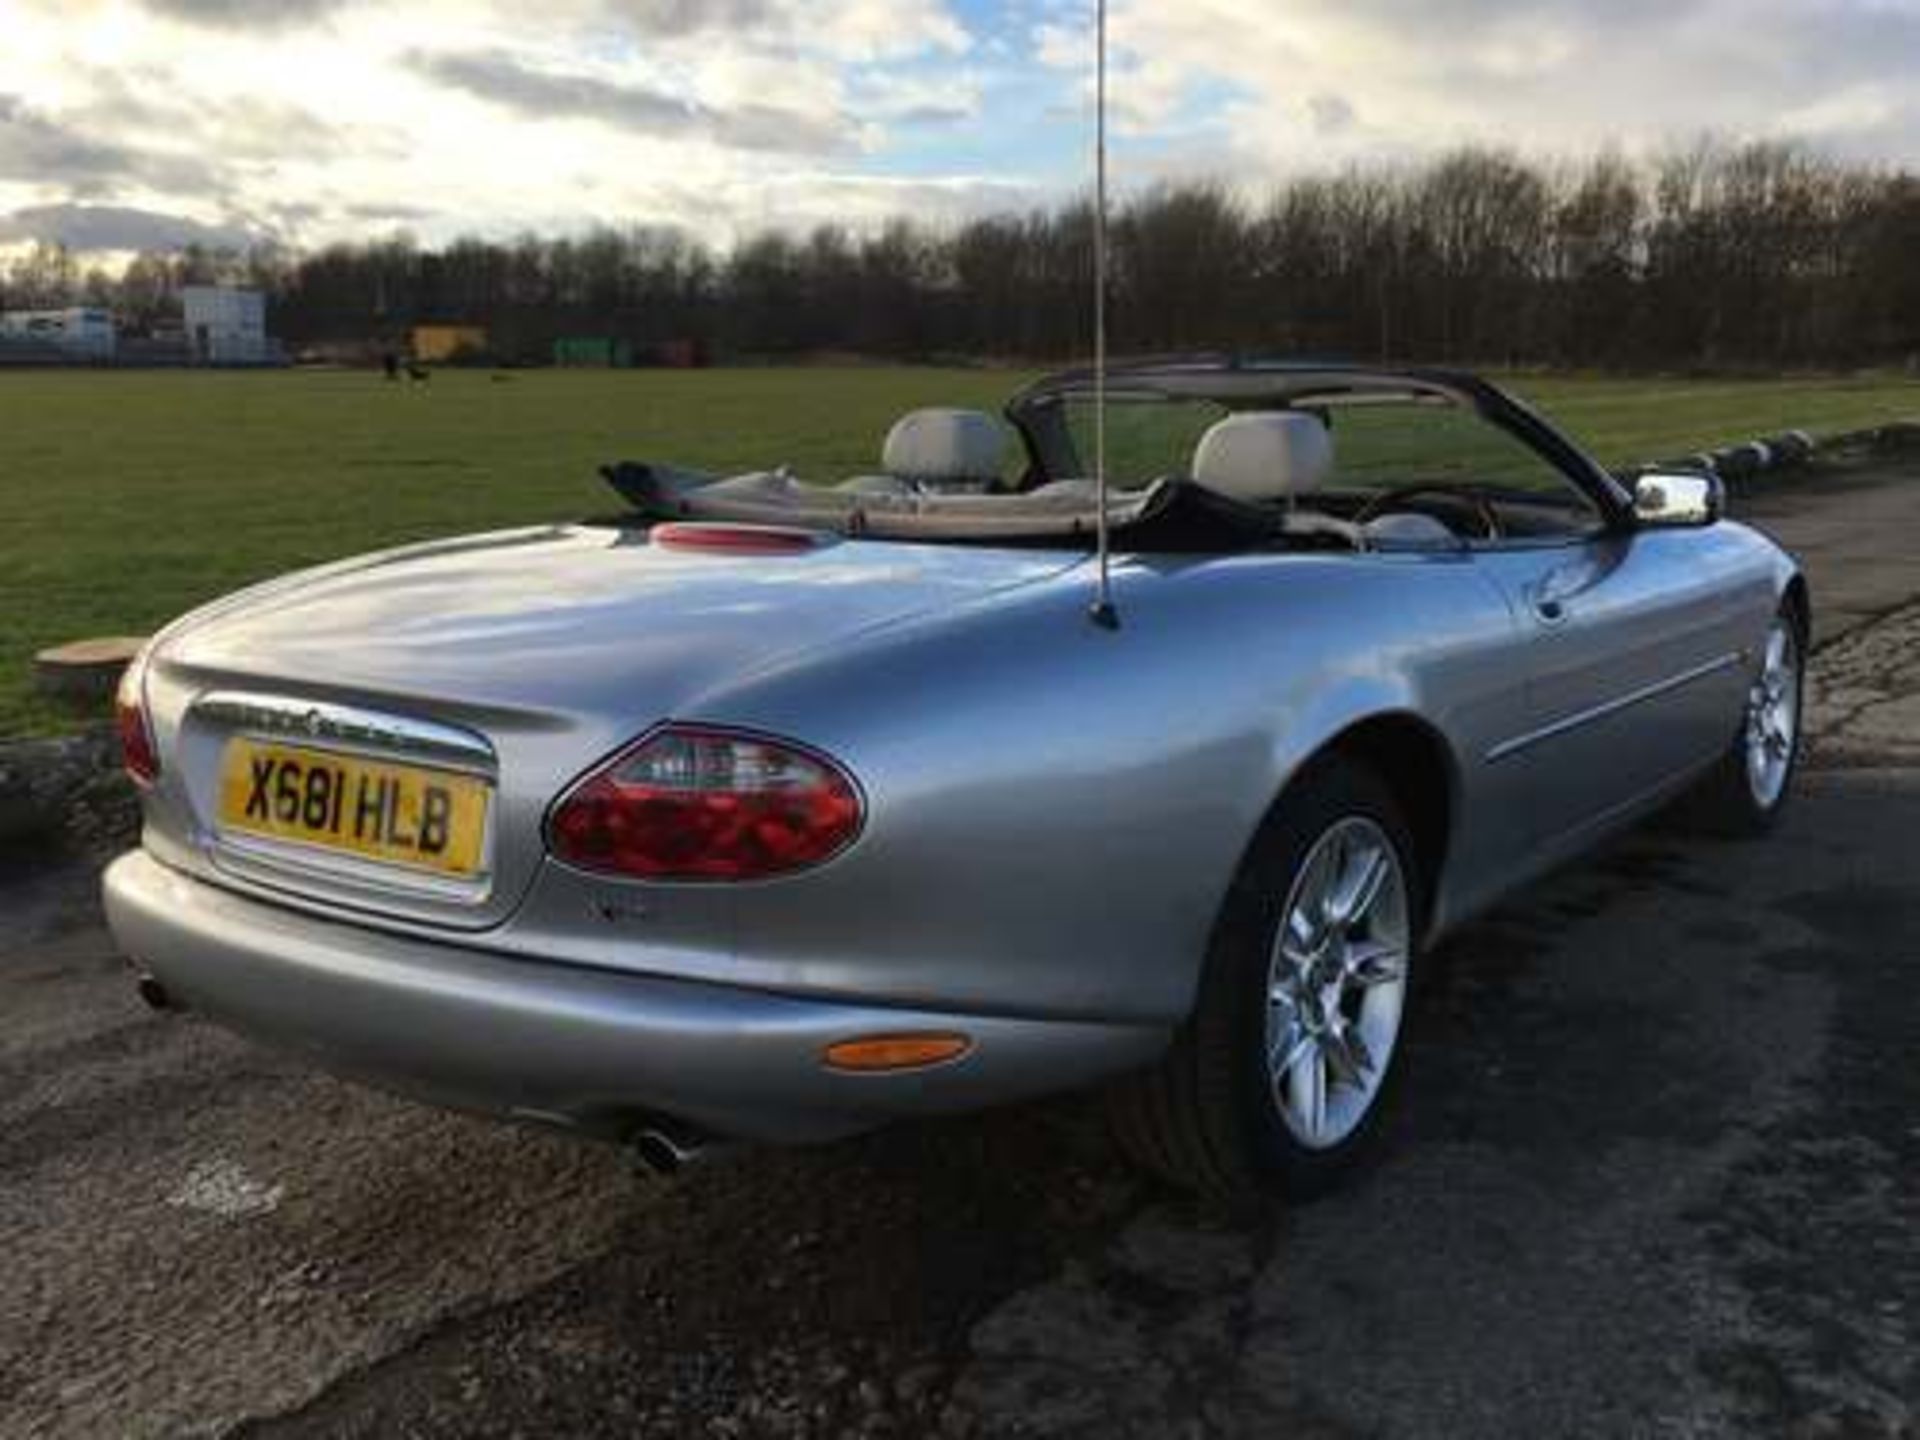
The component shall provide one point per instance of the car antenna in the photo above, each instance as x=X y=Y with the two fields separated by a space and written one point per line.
x=1103 y=613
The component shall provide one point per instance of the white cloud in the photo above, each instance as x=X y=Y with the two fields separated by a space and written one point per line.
x=905 y=99
x=451 y=116
x=851 y=30
x=323 y=118
x=118 y=229
x=1547 y=75
x=539 y=94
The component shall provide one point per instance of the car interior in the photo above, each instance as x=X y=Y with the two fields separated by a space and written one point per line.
x=1280 y=459
x=1366 y=471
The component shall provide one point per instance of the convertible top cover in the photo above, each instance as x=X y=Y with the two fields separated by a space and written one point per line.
x=1170 y=515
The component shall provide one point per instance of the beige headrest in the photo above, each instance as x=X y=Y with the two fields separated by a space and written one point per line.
x=945 y=447
x=1264 y=455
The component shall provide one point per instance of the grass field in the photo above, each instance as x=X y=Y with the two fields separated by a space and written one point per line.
x=126 y=497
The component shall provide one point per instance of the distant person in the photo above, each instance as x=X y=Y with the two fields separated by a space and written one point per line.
x=391 y=363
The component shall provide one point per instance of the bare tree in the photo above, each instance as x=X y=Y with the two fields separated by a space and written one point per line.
x=1763 y=254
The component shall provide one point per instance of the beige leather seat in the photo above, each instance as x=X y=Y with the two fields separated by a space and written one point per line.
x=1264 y=457
x=1279 y=455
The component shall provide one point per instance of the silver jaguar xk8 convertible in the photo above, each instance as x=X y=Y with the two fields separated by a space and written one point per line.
x=775 y=810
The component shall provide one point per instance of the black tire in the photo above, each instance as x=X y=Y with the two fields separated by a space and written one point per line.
x=1725 y=802
x=1206 y=1117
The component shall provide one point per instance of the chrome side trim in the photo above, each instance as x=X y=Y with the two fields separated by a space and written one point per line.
x=350 y=725
x=1508 y=748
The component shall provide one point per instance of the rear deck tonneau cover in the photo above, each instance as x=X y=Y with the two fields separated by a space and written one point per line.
x=1171 y=514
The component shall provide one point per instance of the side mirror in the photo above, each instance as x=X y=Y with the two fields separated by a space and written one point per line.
x=1669 y=501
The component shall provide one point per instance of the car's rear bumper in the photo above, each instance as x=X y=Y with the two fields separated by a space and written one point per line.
x=592 y=1049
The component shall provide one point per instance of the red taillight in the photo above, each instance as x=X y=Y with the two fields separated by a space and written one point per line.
x=696 y=804
x=735 y=539
x=137 y=754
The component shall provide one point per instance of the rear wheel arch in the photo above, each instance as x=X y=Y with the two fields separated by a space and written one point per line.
x=1209 y=1115
x=1415 y=762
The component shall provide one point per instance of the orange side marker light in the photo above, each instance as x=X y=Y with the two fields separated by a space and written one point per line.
x=866 y=1054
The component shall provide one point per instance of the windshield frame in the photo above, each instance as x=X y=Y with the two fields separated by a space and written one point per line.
x=1039 y=413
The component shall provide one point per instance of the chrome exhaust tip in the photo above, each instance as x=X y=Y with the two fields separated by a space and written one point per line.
x=149 y=989
x=666 y=1149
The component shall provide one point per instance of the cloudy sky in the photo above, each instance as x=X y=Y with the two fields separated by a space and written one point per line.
x=131 y=122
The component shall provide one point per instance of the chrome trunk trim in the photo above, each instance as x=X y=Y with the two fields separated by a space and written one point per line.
x=350 y=726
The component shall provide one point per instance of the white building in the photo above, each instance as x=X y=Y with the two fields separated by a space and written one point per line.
x=226 y=326
x=83 y=334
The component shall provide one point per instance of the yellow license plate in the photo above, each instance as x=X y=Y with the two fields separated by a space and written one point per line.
x=399 y=814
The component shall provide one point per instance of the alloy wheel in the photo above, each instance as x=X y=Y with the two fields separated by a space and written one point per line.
x=1773 y=715
x=1337 y=982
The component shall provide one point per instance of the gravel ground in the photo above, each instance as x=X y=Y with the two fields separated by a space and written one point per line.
x=1653 y=1174
x=1865 y=694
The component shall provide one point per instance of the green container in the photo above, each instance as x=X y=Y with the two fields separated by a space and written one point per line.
x=594 y=351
